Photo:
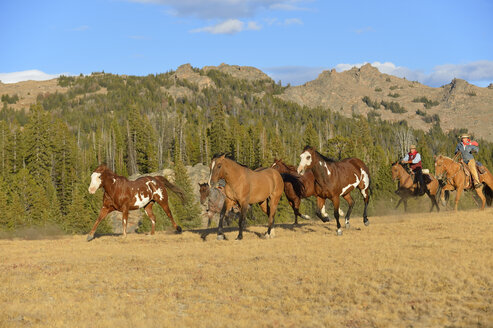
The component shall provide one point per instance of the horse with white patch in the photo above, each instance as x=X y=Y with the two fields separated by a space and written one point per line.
x=123 y=195
x=335 y=179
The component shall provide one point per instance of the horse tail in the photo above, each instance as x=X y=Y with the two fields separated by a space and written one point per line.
x=174 y=188
x=488 y=193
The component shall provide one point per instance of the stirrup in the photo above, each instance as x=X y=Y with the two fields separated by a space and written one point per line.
x=478 y=185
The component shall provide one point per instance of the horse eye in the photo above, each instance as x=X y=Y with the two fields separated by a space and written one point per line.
x=219 y=166
x=308 y=157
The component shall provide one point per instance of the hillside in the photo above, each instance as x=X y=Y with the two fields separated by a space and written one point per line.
x=460 y=104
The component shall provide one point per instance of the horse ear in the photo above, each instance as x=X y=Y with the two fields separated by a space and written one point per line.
x=223 y=156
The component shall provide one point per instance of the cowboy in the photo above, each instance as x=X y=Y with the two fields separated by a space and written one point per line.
x=413 y=158
x=466 y=147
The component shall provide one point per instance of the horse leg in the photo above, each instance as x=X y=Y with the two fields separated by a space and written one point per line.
x=151 y=216
x=227 y=206
x=164 y=205
x=272 y=208
x=243 y=210
x=350 y=203
x=102 y=214
x=336 y=201
x=398 y=203
x=479 y=191
x=124 y=221
x=321 y=210
x=457 y=197
x=405 y=205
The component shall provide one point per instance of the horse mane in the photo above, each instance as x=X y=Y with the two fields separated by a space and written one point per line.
x=290 y=167
x=325 y=158
x=228 y=156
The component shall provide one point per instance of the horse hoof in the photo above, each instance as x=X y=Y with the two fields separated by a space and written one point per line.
x=347 y=225
x=367 y=222
x=239 y=237
x=178 y=230
x=90 y=237
x=339 y=232
x=220 y=237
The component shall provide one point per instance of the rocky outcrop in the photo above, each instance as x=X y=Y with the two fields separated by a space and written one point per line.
x=240 y=72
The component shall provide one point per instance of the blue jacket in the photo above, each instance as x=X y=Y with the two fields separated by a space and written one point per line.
x=467 y=150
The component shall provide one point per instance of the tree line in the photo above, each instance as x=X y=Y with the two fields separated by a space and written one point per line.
x=136 y=125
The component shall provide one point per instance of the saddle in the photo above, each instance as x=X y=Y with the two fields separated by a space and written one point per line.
x=469 y=178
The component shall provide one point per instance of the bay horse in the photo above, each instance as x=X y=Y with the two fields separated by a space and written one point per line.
x=297 y=187
x=407 y=187
x=454 y=178
x=123 y=195
x=244 y=187
x=337 y=178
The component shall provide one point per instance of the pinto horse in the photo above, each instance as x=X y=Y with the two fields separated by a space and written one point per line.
x=335 y=179
x=297 y=187
x=451 y=172
x=407 y=186
x=123 y=195
x=244 y=187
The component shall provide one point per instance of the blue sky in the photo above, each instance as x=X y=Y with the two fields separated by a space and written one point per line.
x=291 y=40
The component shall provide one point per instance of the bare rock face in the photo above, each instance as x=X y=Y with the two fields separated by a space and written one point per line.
x=460 y=104
x=197 y=174
x=240 y=72
x=186 y=72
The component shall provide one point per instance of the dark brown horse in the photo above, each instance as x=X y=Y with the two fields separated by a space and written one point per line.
x=407 y=186
x=335 y=179
x=123 y=195
x=244 y=187
x=297 y=187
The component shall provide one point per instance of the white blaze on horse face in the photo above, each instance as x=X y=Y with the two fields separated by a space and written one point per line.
x=95 y=182
x=305 y=160
x=141 y=202
x=354 y=185
x=366 y=182
x=212 y=170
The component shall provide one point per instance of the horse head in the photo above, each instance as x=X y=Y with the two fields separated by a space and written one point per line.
x=217 y=169
x=397 y=170
x=96 y=178
x=306 y=159
x=204 y=190
x=441 y=166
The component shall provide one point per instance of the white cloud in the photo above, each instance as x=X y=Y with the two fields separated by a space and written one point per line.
x=230 y=26
x=33 y=74
x=293 y=21
x=225 y=9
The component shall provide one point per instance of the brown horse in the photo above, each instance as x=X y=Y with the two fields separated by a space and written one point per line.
x=123 y=195
x=297 y=187
x=335 y=179
x=244 y=187
x=407 y=187
x=454 y=178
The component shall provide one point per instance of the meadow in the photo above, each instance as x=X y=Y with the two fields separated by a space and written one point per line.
x=404 y=270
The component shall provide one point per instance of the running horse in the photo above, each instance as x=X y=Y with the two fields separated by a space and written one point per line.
x=407 y=187
x=297 y=187
x=123 y=195
x=335 y=179
x=454 y=177
x=244 y=187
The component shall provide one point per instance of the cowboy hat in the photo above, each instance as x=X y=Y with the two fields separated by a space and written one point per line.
x=465 y=135
x=412 y=147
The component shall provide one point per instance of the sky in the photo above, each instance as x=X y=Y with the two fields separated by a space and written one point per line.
x=291 y=40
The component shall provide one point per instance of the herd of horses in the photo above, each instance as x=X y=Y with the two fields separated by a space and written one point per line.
x=233 y=187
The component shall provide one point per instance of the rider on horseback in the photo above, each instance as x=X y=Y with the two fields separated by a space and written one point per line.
x=413 y=158
x=466 y=147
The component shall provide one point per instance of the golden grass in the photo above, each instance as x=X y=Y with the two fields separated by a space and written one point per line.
x=423 y=270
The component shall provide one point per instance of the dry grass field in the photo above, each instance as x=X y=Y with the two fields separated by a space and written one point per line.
x=416 y=270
